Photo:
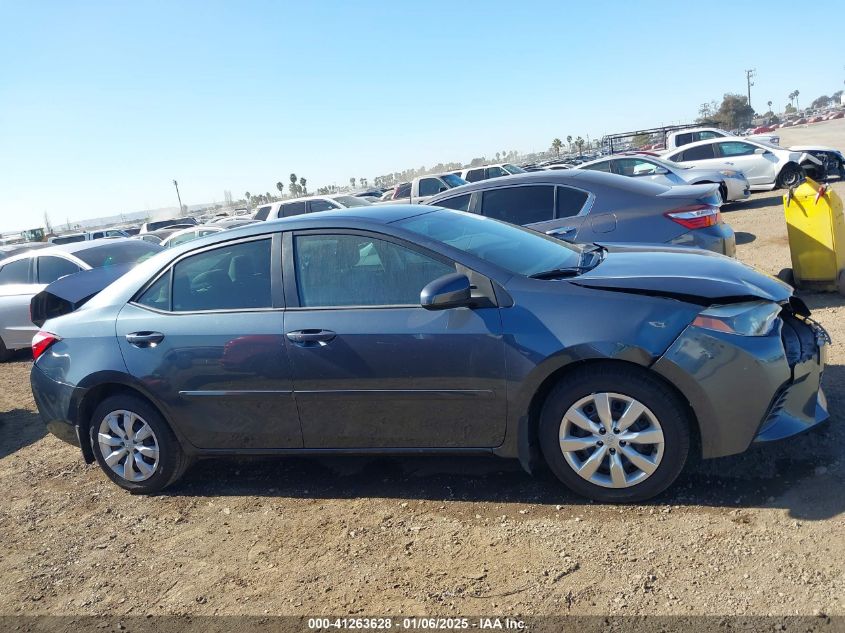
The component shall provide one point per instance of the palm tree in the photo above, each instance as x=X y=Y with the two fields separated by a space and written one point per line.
x=569 y=140
x=246 y=195
x=580 y=143
x=352 y=182
x=302 y=182
x=281 y=187
x=556 y=144
x=797 y=106
x=293 y=186
x=769 y=103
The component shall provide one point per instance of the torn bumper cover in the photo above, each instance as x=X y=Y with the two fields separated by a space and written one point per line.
x=746 y=389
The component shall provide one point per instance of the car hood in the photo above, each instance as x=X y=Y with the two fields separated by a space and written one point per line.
x=692 y=275
x=813 y=148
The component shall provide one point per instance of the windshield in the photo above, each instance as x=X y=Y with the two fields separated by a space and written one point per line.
x=118 y=252
x=453 y=181
x=518 y=250
x=351 y=201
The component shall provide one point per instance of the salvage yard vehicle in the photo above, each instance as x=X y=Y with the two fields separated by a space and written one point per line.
x=584 y=206
x=24 y=275
x=192 y=233
x=309 y=204
x=733 y=185
x=474 y=174
x=83 y=236
x=157 y=225
x=677 y=139
x=421 y=189
x=766 y=166
x=412 y=329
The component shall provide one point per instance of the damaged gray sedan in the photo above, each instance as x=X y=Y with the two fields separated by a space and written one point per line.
x=408 y=329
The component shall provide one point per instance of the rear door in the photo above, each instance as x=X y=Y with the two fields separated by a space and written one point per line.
x=372 y=368
x=17 y=287
x=206 y=338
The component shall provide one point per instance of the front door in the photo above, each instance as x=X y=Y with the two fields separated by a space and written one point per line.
x=206 y=338
x=373 y=369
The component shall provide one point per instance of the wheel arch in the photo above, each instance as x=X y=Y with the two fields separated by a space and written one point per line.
x=528 y=445
x=106 y=388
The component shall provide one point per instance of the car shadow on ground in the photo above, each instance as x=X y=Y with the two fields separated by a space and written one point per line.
x=775 y=198
x=19 y=428
x=800 y=475
x=744 y=238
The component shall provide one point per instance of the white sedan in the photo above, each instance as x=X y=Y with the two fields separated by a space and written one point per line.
x=733 y=185
x=765 y=166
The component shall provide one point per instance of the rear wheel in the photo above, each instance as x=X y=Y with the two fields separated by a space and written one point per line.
x=614 y=434
x=790 y=176
x=840 y=282
x=787 y=275
x=134 y=445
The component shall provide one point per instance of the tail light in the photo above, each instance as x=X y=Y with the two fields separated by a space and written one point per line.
x=697 y=216
x=41 y=342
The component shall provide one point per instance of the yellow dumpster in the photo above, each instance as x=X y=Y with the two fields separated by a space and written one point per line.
x=816 y=227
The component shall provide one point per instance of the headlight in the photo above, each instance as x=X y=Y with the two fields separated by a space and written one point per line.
x=754 y=318
x=729 y=173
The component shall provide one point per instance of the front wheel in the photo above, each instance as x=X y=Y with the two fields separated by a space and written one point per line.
x=134 y=446
x=615 y=434
x=790 y=176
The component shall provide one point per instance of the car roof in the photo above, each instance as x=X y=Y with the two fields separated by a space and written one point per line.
x=70 y=249
x=708 y=141
x=579 y=178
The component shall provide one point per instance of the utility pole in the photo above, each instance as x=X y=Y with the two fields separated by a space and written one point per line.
x=749 y=75
x=176 y=184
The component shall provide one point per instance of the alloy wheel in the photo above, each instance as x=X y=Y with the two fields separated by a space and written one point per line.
x=611 y=440
x=128 y=445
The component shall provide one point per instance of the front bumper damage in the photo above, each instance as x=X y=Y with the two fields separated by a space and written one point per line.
x=750 y=389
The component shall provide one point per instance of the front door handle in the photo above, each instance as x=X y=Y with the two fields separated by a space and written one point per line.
x=310 y=338
x=144 y=339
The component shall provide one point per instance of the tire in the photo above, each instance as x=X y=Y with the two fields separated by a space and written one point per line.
x=790 y=176
x=840 y=282
x=159 y=459
x=5 y=353
x=787 y=275
x=663 y=411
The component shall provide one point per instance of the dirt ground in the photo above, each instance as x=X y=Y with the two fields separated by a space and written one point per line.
x=760 y=533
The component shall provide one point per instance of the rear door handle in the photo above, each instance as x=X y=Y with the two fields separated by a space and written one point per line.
x=144 y=339
x=564 y=231
x=311 y=338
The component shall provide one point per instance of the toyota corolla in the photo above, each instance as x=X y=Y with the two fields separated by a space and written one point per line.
x=408 y=329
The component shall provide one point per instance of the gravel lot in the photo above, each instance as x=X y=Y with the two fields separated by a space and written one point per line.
x=761 y=533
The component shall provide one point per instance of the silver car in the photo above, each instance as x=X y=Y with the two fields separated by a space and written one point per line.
x=24 y=275
x=733 y=185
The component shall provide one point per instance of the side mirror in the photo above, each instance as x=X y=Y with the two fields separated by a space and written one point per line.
x=760 y=150
x=442 y=188
x=661 y=171
x=448 y=291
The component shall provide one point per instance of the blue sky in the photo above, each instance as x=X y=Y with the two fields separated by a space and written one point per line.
x=103 y=104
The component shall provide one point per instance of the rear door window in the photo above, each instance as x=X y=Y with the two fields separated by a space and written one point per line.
x=685 y=138
x=519 y=205
x=570 y=201
x=16 y=272
x=262 y=213
x=458 y=203
x=602 y=166
x=474 y=175
x=320 y=205
x=702 y=152
x=232 y=277
x=51 y=268
x=292 y=208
